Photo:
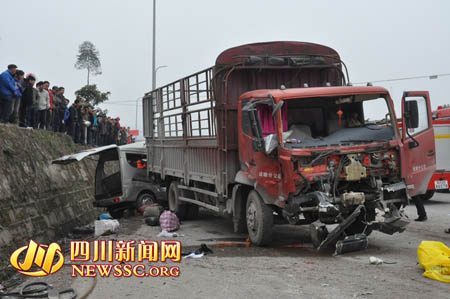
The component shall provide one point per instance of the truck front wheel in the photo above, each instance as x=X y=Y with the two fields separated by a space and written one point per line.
x=175 y=204
x=259 y=220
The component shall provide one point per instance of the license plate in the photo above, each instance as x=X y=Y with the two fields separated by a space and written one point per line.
x=441 y=184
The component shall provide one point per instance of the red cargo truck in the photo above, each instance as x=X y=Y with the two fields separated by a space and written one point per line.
x=275 y=131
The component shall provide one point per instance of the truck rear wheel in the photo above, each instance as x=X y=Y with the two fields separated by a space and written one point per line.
x=259 y=220
x=175 y=205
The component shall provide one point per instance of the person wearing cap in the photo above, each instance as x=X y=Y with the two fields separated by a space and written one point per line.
x=14 y=116
x=8 y=91
x=26 y=103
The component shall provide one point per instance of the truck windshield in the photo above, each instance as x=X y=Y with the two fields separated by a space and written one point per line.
x=336 y=121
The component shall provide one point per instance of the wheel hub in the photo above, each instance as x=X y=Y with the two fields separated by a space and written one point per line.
x=251 y=217
x=147 y=199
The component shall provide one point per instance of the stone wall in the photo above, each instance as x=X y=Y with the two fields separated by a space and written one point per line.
x=39 y=200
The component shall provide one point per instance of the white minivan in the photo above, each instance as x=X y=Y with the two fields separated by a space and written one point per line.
x=121 y=180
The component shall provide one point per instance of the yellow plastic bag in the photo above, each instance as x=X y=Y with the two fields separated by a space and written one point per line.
x=434 y=257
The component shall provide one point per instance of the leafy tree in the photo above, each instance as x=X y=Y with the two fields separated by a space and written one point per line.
x=92 y=95
x=88 y=58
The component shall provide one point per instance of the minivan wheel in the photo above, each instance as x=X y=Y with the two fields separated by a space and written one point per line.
x=259 y=220
x=145 y=199
x=175 y=204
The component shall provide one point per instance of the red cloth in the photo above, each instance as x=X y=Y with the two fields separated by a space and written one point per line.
x=266 y=119
x=51 y=99
x=169 y=221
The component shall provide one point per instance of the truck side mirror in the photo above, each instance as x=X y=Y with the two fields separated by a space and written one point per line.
x=411 y=114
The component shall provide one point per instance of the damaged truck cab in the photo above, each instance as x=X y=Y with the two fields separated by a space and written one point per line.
x=317 y=157
x=275 y=131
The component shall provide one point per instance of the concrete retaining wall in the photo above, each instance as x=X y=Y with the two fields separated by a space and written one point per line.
x=39 y=200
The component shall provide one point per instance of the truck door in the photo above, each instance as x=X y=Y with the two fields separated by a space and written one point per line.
x=418 y=151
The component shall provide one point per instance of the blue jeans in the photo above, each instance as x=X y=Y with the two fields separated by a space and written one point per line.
x=6 y=105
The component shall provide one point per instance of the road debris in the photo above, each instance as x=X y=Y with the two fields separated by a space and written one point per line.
x=103 y=227
x=166 y=234
x=352 y=243
x=233 y=244
x=84 y=230
x=169 y=221
x=193 y=255
x=375 y=260
x=202 y=251
x=152 y=220
x=104 y=216
x=434 y=257
x=154 y=210
x=362 y=294
x=40 y=290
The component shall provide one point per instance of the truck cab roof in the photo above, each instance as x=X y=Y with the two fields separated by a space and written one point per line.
x=311 y=92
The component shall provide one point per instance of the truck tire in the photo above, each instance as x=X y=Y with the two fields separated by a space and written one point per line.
x=259 y=220
x=175 y=205
x=428 y=195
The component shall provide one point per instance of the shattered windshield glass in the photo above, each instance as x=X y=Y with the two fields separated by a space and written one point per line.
x=336 y=121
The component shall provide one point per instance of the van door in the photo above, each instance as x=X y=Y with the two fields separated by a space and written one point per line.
x=418 y=151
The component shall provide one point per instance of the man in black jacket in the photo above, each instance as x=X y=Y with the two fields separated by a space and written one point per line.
x=74 y=121
x=26 y=103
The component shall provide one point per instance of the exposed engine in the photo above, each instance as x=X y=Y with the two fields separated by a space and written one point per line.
x=360 y=192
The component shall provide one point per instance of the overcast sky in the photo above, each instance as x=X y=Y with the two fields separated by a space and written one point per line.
x=376 y=39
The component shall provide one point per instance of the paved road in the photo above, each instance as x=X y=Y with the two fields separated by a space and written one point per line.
x=277 y=272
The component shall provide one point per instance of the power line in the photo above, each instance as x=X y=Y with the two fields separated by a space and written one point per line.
x=431 y=77
x=118 y=104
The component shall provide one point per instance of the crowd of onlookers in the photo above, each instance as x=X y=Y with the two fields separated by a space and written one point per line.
x=40 y=107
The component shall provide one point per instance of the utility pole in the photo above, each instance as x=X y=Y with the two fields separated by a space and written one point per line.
x=154 y=47
x=136 y=119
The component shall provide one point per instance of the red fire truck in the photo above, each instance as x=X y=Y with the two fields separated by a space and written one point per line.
x=439 y=180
